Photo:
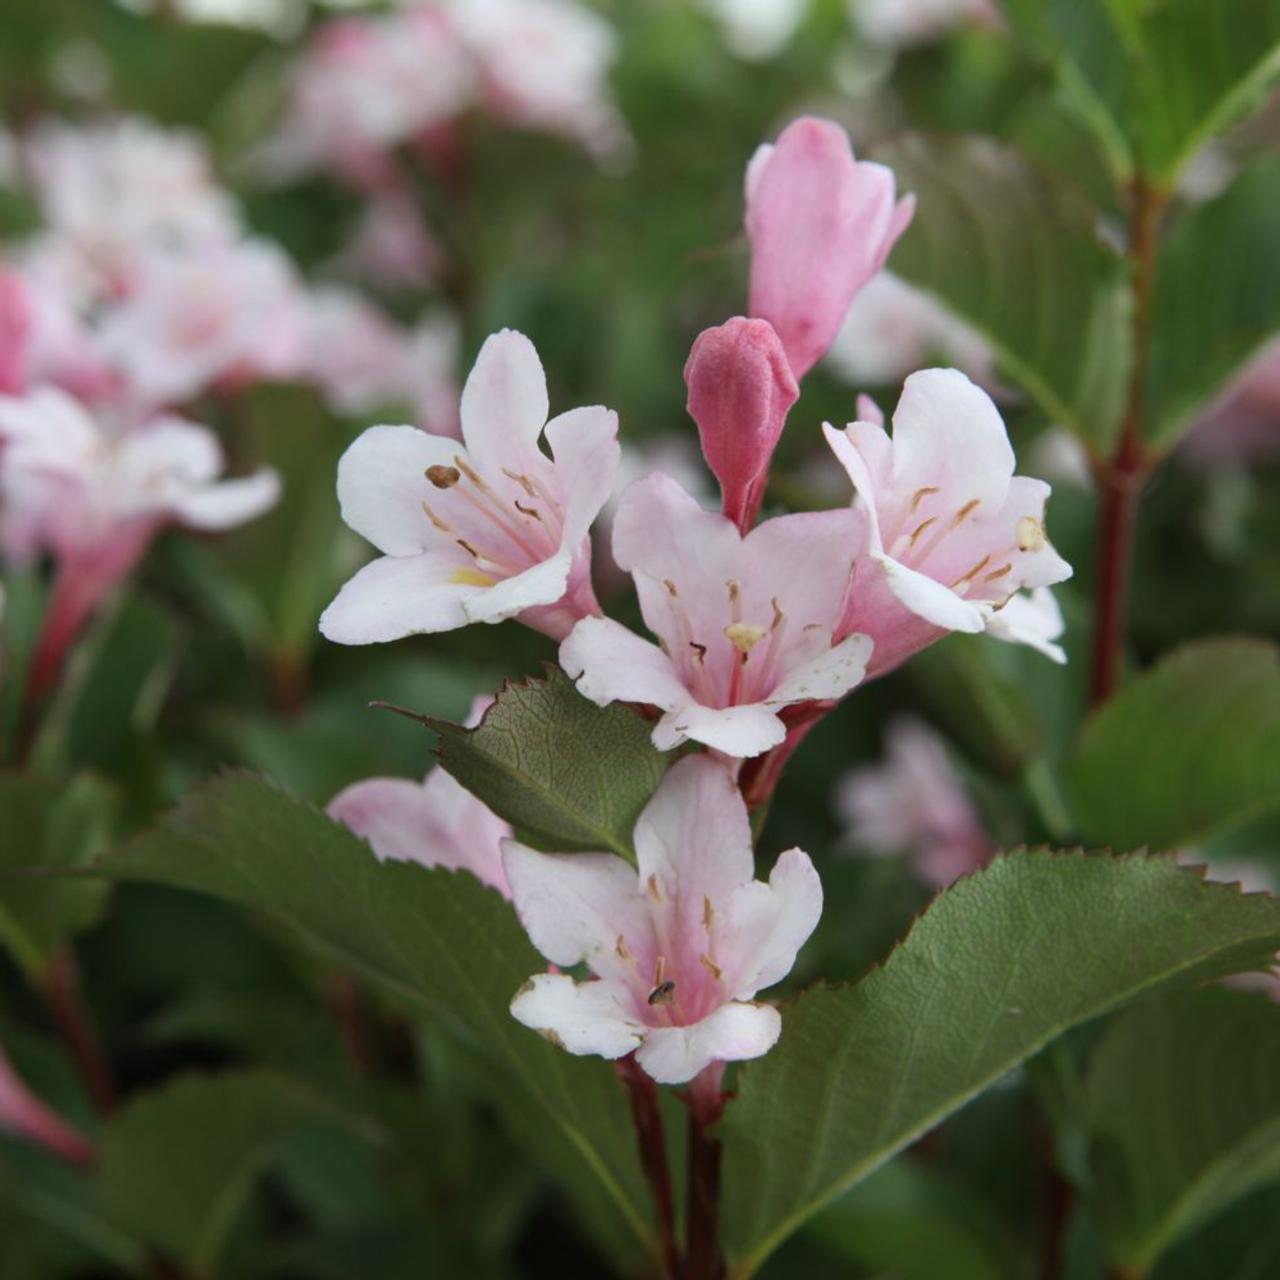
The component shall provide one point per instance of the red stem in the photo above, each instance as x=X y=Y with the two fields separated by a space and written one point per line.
x=62 y=993
x=653 y=1158
x=704 y=1260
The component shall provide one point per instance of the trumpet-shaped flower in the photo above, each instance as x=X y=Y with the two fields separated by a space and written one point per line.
x=821 y=225
x=94 y=500
x=437 y=822
x=480 y=532
x=679 y=945
x=745 y=625
x=953 y=534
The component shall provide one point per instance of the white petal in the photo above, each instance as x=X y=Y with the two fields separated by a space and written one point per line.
x=743 y=731
x=767 y=924
x=541 y=584
x=574 y=906
x=851 y=458
x=504 y=404
x=733 y=1033
x=612 y=664
x=400 y=596
x=582 y=1017
x=172 y=447
x=1034 y=620
x=381 y=487
x=584 y=443
x=232 y=502
x=830 y=675
x=930 y=600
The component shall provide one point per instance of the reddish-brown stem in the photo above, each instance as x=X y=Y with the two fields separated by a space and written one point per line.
x=1120 y=477
x=703 y=1258
x=62 y=993
x=348 y=1012
x=760 y=775
x=653 y=1159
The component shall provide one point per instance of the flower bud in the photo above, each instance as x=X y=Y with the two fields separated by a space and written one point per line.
x=821 y=225
x=740 y=391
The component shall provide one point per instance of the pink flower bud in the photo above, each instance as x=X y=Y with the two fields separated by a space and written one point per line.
x=821 y=225
x=15 y=333
x=25 y=1116
x=740 y=391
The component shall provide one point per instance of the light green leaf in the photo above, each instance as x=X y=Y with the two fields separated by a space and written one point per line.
x=566 y=773
x=1001 y=964
x=48 y=827
x=1186 y=750
x=1217 y=299
x=439 y=939
x=1184 y=1113
x=177 y=1164
x=1014 y=251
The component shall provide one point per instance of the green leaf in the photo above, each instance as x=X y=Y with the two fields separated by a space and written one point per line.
x=47 y=827
x=1014 y=251
x=1184 y=1113
x=178 y=1163
x=1156 y=80
x=566 y=773
x=1001 y=964
x=1217 y=299
x=439 y=939
x=1188 y=749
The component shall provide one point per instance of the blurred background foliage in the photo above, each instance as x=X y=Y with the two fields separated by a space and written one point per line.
x=305 y=1164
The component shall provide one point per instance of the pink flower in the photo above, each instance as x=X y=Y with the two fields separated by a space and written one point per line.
x=15 y=333
x=392 y=246
x=740 y=391
x=193 y=321
x=94 y=500
x=25 y=1116
x=490 y=530
x=914 y=804
x=745 y=624
x=821 y=225
x=353 y=352
x=437 y=822
x=678 y=946
x=953 y=534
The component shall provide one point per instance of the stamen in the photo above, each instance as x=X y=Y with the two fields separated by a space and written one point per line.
x=699 y=651
x=998 y=573
x=919 y=529
x=778 y=616
x=964 y=511
x=1031 y=534
x=471 y=578
x=660 y=971
x=468 y=548
x=528 y=511
x=523 y=481
x=968 y=577
x=921 y=495
x=663 y=993
x=735 y=590
x=708 y=912
x=443 y=477
x=744 y=636
x=621 y=948
x=655 y=888
x=671 y=588
x=435 y=520
x=710 y=966
x=470 y=472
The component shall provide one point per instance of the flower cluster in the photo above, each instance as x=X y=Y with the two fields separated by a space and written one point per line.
x=759 y=626
x=368 y=85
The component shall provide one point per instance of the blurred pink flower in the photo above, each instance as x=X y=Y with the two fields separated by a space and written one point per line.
x=745 y=625
x=392 y=246
x=678 y=945
x=491 y=530
x=914 y=804
x=437 y=822
x=899 y=23
x=231 y=315
x=15 y=333
x=953 y=533
x=25 y=1116
x=821 y=225
x=94 y=500
x=740 y=392
x=1244 y=426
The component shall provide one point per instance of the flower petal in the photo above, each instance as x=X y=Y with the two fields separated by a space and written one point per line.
x=933 y=601
x=505 y=405
x=612 y=664
x=742 y=731
x=580 y=1017
x=733 y=1033
x=541 y=584
x=830 y=675
x=1034 y=620
x=381 y=487
x=232 y=502
x=584 y=443
x=398 y=596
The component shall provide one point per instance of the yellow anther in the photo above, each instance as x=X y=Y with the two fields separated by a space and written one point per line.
x=1031 y=534
x=744 y=636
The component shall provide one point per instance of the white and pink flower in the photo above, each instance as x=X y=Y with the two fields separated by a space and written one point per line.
x=953 y=534
x=745 y=625
x=481 y=532
x=679 y=945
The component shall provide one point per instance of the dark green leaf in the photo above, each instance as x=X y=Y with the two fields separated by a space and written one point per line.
x=1184 y=1111
x=1186 y=750
x=439 y=939
x=1015 y=252
x=566 y=773
x=1001 y=964
x=1217 y=299
x=48 y=827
